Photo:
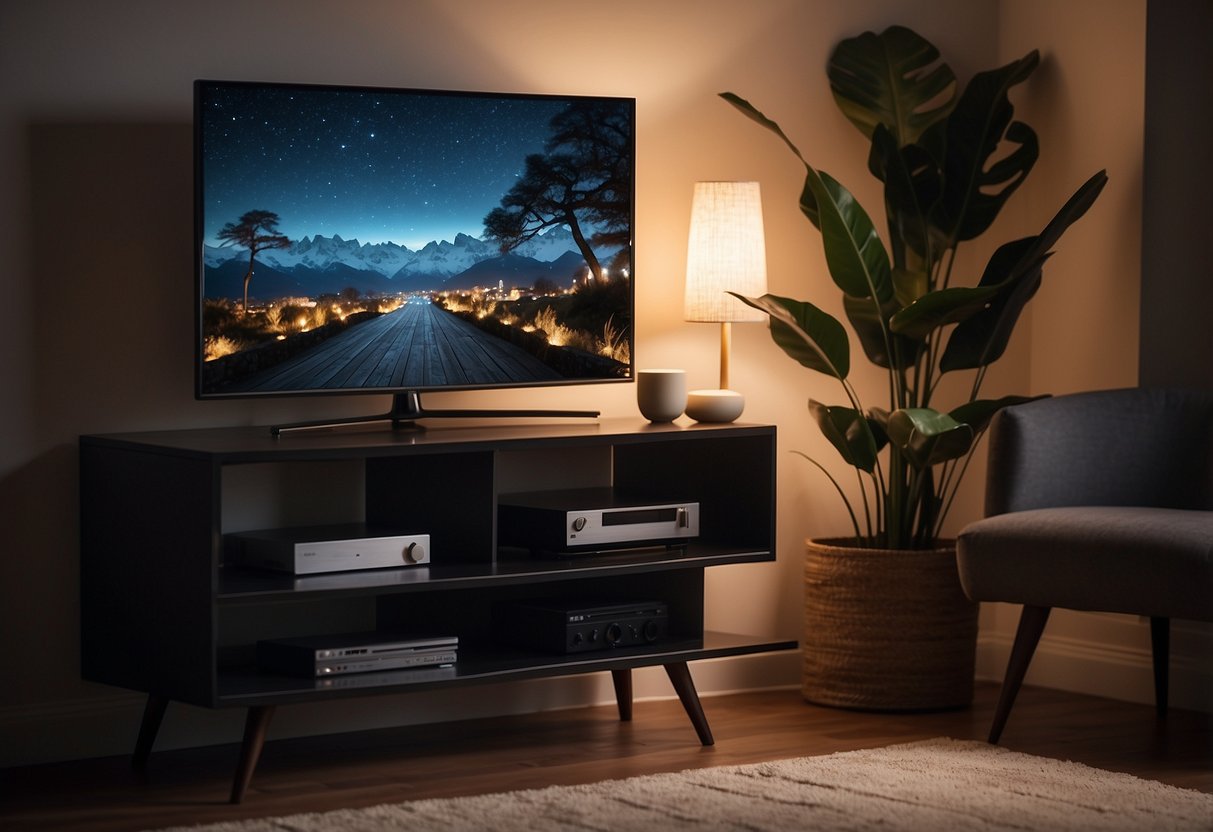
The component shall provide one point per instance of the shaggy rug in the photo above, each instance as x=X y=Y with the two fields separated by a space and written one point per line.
x=939 y=785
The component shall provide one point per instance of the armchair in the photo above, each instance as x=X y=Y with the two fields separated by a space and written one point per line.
x=1096 y=501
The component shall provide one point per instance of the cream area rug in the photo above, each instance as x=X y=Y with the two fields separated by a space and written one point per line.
x=931 y=786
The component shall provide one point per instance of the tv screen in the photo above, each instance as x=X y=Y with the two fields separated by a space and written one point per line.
x=365 y=240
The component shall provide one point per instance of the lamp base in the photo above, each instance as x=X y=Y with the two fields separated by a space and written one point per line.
x=714 y=405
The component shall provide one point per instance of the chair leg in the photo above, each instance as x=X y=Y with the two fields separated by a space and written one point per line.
x=1160 y=644
x=1031 y=625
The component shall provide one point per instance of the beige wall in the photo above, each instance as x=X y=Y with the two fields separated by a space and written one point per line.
x=95 y=230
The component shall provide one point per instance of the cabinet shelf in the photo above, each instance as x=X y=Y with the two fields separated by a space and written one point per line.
x=237 y=585
x=246 y=686
x=162 y=613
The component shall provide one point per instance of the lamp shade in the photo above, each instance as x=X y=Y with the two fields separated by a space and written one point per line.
x=726 y=251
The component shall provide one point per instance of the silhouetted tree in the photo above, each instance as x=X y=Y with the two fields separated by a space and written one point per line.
x=256 y=231
x=545 y=286
x=582 y=180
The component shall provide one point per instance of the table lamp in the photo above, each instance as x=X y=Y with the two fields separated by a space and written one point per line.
x=725 y=252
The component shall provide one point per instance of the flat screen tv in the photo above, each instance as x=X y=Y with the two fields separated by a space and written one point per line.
x=399 y=241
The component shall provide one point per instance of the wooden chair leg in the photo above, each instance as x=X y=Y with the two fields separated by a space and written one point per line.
x=153 y=716
x=684 y=686
x=623 y=693
x=255 y=727
x=1160 y=644
x=1031 y=624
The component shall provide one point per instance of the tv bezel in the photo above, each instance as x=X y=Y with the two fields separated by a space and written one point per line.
x=406 y=398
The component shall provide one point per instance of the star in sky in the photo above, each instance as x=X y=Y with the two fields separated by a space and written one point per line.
x=374 y=165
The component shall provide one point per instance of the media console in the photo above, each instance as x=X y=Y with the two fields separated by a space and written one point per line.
x=164 y=614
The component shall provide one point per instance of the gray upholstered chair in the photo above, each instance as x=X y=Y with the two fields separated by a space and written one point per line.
x=1096 y=501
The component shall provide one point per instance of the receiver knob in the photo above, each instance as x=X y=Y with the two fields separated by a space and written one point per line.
x=414 y=553
x=614 y=634
x=578 y=523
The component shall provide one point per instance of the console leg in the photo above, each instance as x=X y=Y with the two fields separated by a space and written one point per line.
x=153 y=715
x=255 y=727
x=684 y=686
x=623 y=693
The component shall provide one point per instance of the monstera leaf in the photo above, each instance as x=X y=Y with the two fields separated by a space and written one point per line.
x=975 y=188
x=893 y=79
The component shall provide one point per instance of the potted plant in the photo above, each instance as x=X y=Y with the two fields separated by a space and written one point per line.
x=887 y=625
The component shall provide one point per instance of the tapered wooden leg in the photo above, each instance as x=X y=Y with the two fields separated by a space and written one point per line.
x=153 y=715
x=623 y=693
x=1160 y=644
x=684 y=686
x=255 y=727
x=1031 y=624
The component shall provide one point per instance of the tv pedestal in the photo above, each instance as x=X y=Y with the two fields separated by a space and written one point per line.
x=162 y=613
x=407 y=409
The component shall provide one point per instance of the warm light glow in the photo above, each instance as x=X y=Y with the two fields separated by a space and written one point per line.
x=725 y=252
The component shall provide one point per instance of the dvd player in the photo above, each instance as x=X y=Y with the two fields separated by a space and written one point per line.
x=331 y=655
x=588 y=520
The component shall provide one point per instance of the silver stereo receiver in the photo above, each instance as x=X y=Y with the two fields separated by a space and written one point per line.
x=587 y=520
x=312 y=549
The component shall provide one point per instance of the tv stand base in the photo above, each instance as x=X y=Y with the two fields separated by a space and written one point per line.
x=407 y=409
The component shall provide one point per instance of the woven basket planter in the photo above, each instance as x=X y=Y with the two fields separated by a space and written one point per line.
x=887 y=630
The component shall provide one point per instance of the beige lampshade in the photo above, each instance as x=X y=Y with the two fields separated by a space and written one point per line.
x=726 y=252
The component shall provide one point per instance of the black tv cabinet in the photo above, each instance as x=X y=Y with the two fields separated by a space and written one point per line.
x=163 y=614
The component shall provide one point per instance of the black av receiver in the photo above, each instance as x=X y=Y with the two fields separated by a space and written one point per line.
x=554 y=626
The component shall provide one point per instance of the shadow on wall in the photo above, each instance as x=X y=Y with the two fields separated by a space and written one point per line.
x=112 y=220
x=112 y=242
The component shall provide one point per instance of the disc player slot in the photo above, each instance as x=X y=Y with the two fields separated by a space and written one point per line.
x=640 y=515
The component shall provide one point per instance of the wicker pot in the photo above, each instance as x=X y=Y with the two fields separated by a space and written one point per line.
x=886 y=629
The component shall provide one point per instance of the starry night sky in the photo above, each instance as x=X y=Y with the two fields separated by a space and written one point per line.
x=371 y=165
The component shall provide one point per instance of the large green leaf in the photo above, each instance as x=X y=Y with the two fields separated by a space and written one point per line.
x=871 y=325
x=808 y=202
x=1016 y=268
x=927 y=437
x=895 y=79
x=975 y=189
x=857 y=259
x=940 y=308
x=813 y=338
x=849 y=432
x=855 y=256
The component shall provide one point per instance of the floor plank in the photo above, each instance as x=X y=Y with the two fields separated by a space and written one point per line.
x=577 y=746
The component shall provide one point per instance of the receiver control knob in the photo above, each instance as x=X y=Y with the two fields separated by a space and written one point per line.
x=578 y=523
x=650 y=631
x=414 y=553
x=614 y=634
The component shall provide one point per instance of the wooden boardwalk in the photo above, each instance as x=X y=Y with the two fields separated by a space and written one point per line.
x=418 y=345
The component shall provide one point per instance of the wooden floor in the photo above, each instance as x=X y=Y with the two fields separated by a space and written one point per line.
x=577 y=746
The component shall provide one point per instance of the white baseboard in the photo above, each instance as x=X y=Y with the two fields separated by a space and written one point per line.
x=1107 y=655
